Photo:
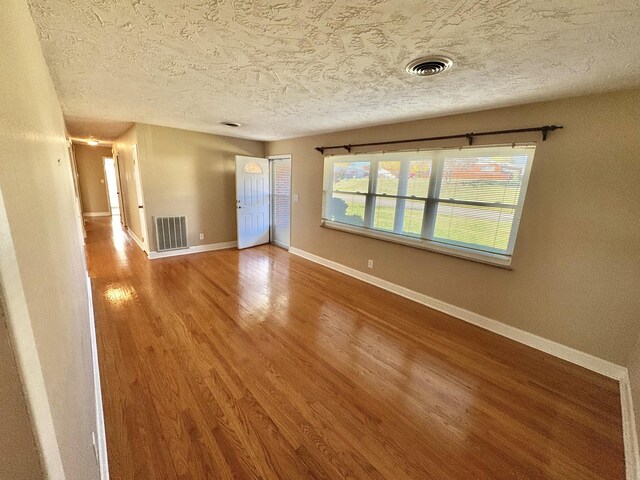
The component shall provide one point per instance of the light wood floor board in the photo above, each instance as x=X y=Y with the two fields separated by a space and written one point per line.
x=257 y=364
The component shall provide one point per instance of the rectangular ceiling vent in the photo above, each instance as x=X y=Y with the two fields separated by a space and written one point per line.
x=171 y=233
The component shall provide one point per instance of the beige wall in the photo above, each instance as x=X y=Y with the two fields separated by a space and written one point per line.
x=123 y=148
x=192 y=174
x=42 y=270
x=93 y=189
x=576 y=266
x=18 y=454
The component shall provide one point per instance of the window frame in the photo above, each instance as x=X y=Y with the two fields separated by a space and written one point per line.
x=426 y=239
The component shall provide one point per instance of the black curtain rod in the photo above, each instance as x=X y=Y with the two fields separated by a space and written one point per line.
x=469 y=136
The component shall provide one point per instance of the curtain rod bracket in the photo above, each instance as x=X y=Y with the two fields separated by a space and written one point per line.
x=470 y=138
x=321 y=150
x=545 y=130
x=348 y=148
x=548 y=128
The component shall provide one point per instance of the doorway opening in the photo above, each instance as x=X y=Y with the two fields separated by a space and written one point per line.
x=280 y=234
x=113 y=191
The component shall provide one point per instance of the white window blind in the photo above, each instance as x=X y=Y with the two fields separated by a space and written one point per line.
x=468 y=198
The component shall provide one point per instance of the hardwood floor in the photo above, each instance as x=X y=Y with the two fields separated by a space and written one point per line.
x=259 y=364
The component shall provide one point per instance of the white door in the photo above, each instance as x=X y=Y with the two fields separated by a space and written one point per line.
x=252 y=200
x=140 y=198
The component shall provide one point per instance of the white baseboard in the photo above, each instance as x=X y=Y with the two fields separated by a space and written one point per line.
x=556 y=349
x=590 y=362
x=136 y=239
x=96 y=214
x=281 y=245
x=631 y=452
x=100 y=433
x=195 y=249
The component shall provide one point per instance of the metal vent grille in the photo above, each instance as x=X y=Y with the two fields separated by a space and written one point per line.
x=171 y=233
x=426 y=66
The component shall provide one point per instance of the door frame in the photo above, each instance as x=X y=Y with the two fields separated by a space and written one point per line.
x=106 y=181
x=76 y=186
x=271 y=159
x=116 y=163
x=140 y=197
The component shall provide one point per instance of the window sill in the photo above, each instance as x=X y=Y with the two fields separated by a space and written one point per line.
x=494 y=259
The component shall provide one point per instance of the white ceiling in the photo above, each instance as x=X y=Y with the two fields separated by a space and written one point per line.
x=286 y=69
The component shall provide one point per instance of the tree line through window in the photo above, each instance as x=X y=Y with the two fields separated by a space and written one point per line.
x=470 y=197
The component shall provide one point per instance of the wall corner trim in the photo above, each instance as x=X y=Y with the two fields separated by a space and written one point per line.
x=590 y=362
x=194 y=249
x=629 y=431
x=101 y=447
x=25 y=349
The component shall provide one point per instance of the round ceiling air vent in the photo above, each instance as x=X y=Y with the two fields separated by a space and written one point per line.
x=427 y=66
x=231 y=124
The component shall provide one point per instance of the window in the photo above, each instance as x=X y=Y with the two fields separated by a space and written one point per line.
x=253 y=167
x=463 y=201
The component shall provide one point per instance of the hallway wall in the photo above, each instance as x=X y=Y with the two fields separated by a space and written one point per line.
x=123 y=148
x=193 y=174
x=93 y=188
x=42 y=269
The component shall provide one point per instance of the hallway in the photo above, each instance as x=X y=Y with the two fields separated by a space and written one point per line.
x=260 y=364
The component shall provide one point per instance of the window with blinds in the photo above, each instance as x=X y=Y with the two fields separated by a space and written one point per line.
x=464 y=199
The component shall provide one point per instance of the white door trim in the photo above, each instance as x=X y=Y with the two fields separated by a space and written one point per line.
x=123 y=217
x=140 y=198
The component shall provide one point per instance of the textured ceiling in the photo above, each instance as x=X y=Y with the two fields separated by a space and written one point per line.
x=286 y=69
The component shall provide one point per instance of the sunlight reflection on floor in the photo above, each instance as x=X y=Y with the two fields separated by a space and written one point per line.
x=117 y=235
x=118 y=295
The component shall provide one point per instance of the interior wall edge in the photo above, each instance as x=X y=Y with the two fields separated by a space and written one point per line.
x=101 y=447
x=27 y=357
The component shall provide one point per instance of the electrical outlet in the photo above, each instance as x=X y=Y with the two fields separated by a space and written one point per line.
x=370 y=263
x=202 y=236
x=295 y=198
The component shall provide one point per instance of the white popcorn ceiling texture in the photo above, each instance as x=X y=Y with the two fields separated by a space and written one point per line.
x=286 y=69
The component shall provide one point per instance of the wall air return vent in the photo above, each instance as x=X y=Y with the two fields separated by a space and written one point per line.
x=171 y=233
x=427 y=66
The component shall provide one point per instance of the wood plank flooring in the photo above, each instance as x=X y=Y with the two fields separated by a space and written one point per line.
x=259 y=364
